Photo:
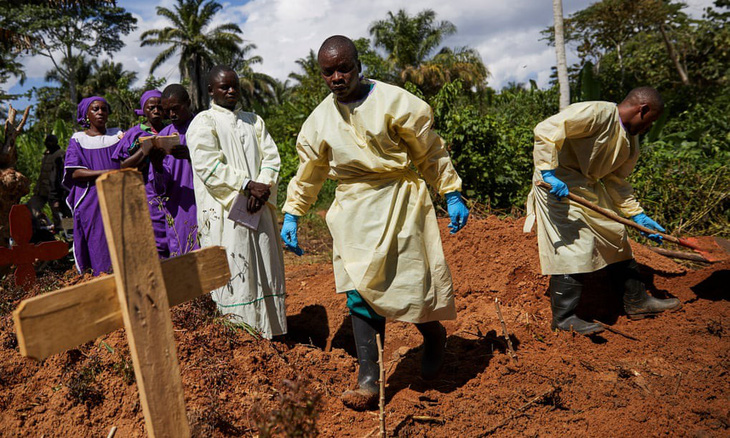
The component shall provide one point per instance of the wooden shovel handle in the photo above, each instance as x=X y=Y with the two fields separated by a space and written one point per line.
x=611 y=215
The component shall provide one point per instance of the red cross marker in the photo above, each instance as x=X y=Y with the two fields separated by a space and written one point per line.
x=23 y=253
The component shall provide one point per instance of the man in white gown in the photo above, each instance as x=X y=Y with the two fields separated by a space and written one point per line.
x=233 y=155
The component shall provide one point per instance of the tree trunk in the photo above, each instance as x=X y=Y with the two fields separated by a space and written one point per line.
x=621 y=66
x=72 y=85
x=185 y=76
x=673 y=56
x=196 y=93
x=204 y=97
x=560 y=53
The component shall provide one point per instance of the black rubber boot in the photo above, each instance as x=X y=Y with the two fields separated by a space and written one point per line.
x=638 y=304
x=565 y=291
x=366 y=395
x=434 y=348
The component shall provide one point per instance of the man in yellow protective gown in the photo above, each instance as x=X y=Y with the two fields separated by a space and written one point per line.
x=387 y=250
x=589 y=149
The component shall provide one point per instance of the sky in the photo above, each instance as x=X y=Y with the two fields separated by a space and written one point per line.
x=506 y=33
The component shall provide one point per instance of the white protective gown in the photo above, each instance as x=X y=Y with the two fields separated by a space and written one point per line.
x=227 y=149
x=593 y=154
x=385 y=235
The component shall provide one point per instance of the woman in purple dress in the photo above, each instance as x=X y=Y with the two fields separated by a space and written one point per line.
x=130 y=153
x=89 y=155
x=173 y=178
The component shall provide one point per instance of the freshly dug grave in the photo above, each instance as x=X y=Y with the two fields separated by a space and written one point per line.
x=674 y=380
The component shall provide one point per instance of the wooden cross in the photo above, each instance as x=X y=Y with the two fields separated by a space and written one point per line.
x=137 y=297
x=23 y=253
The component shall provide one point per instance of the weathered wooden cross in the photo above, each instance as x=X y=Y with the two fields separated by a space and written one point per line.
x=137 y=297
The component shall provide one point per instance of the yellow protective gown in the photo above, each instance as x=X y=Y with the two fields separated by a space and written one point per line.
x=593 y=154
x=385 y=235
x=227 y=149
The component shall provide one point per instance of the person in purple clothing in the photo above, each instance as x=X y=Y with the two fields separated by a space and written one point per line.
x=173 y=178
x=89 y=155
x=131 y=153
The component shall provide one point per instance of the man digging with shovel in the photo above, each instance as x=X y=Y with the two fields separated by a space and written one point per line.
x=589 y=149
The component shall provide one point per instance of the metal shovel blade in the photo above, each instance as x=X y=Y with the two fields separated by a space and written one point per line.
x=714 y=249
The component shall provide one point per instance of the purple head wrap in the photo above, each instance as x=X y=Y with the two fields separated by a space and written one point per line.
x=145 y=97
x=83 y=108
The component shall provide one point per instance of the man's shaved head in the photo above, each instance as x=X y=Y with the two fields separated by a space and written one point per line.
x=340 y=67
x=176 y=104
x=340 y=44
x=177 y=91
x=224 y=86
x=641 y=107
x=218 y=70
x=647 y=96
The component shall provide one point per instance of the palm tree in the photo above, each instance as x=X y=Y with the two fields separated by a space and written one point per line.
x=282 y=91
x=409 y=42
x=462 y=63
x=197 y=44
x=309 y=89
x=106 y=76
x=310 y=66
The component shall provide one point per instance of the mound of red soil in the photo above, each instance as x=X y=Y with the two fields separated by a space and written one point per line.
x=672 y=380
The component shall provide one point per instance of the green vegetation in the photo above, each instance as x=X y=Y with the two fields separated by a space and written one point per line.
x=682 y=178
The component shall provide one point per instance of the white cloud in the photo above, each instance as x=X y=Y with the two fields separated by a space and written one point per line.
x=505 y=32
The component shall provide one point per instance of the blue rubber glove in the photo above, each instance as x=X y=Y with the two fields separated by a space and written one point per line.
x=289 y=233
x=643 y=219
x=559 y=188
x=457 y=211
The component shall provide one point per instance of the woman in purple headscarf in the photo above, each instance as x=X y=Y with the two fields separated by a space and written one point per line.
x=89 y=155
x=130 y=153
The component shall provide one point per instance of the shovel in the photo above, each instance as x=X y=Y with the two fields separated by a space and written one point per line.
x=713 y=249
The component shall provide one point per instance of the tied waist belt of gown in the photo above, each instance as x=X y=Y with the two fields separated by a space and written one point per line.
x=378 y=178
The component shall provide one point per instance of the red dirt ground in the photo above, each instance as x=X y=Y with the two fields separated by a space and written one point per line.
x=673 y=381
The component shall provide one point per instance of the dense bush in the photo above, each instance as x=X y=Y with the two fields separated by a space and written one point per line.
x=491 y=145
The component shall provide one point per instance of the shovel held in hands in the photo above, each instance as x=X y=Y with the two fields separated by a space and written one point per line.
x=710 y=247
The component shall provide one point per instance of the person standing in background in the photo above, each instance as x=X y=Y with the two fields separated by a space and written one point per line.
x=49 y=187
x=130 y=152
x=172 y=178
